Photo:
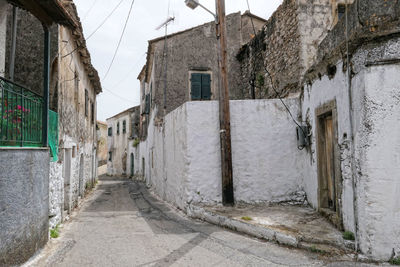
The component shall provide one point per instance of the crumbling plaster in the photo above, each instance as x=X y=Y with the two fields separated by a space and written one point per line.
x=375 y=95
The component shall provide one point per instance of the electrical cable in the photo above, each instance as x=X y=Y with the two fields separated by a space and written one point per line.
x=98 y=27
x=127 y=74
x=273 y=86
x=120 y=39
x=118 y=96
x=90 y=9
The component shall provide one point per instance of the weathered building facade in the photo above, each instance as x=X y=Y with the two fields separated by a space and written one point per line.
x=102 y=150
x=337 y=74
x=122 y=133
x=24 y=125
x=74 y=84
x=190 y=61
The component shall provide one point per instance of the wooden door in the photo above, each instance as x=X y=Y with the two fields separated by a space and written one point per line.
x=329 y=171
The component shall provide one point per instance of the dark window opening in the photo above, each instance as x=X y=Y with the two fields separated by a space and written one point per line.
x=92 y=111
x=110 y=131
x=86 y=102
x=200 y=86
x=117 y=127
x=110 y=156
x=124 y=127
x=341 y=11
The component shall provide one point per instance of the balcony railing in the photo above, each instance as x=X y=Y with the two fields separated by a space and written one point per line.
x=21 y=113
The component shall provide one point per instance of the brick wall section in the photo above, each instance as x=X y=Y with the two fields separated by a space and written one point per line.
x=276 y=46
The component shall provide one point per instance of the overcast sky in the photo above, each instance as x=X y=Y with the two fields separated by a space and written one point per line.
x=145 y=17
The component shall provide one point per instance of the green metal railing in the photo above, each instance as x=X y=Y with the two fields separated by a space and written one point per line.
x=21 y=112
x=53 y=135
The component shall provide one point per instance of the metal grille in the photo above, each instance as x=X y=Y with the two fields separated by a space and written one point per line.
x=21 y=115
x=53 y=135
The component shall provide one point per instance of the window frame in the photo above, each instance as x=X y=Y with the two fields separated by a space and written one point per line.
x=203 y=72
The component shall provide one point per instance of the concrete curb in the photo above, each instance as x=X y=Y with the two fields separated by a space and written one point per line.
x=261 y=232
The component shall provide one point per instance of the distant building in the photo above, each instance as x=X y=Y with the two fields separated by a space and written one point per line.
x=122 y=129
x=102 y=151
x=188 y=68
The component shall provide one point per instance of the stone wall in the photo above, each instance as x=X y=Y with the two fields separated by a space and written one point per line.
x=24 y=202
x=29 y=56
x=369 y=176
x=285 y=47
x=177 y=154
x=194 y=50
x=77 y=130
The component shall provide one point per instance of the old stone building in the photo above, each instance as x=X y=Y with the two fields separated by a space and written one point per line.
x=286 y=47
x=74 y=84
x=336 y=67
x=102 y=151
x=190 y=59
x=27 y=127
x=122 y=133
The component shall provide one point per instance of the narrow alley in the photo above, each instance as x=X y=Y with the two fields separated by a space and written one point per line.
x=122 y=224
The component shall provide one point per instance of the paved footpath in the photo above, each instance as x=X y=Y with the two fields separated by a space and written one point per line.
x=122 y=224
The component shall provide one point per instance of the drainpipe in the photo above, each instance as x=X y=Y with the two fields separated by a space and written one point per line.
x=353 y=167
x=46 y=86
x=13 y=42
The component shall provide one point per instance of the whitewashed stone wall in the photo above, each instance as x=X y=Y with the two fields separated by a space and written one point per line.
x=376 y=122
x=263 y=146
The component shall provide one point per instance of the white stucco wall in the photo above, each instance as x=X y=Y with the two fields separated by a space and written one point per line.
x=376 y=123
x=320 y=92
x=118 y=145
x=379 y=184
x=263 y=145
x=3 y=30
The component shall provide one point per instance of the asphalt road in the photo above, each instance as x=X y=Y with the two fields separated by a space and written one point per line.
x=122 y=224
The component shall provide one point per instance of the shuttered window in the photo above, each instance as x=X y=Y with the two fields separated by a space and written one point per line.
x=200 y=86
x=147 y=105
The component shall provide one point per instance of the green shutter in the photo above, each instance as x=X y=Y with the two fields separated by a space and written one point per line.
x=147 y=105
x=196 y=86
x=205 y=86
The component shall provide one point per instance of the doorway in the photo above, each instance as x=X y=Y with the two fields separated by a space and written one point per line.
x=329 y=171
x=81 y=168
x=132 y=165
x=67 y=179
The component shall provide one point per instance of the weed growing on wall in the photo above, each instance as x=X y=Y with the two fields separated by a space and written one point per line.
x=54 y=233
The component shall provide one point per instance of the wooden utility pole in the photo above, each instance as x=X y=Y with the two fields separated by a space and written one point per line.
x=224 y=113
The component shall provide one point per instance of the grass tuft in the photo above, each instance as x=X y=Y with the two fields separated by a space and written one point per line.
x=348 y=235
x=247 y=218
x=54 y=233
x=314 y=249
x=395 y=261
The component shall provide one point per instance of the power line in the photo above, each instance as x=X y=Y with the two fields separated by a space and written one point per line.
x=90 y=9
x=120 y=39
x=272 y=82
x=127 y=74
x=90 y=35
x=118 y=96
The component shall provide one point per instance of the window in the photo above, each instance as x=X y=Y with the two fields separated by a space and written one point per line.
x=110 y=156
x=92 y=111
x=124 y=127
x=147 y=105
x=110 y=131
x=117 y=127
x=200 y=86
x=341 y=11
x=86 y=102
